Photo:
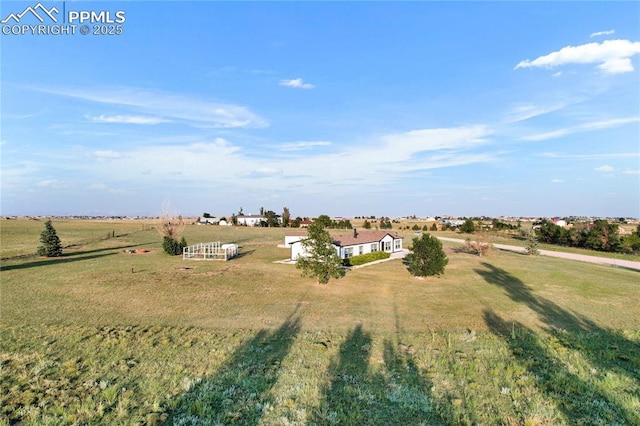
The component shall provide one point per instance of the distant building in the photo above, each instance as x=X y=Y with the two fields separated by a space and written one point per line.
x=251 y=220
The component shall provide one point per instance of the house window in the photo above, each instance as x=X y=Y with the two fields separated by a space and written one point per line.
x=398 y=244
x=348 y=252
x=360 y=249
x=374 y=247
x=387 y=246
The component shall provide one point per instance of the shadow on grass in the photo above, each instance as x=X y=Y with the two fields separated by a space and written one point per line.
x=243 y=253
x=604 y=394
x=53 y=261
x=239 y=391
x=358 y=395
x=82 y=252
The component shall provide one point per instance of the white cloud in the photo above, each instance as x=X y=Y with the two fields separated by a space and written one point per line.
x=51 y=183
x=613 y=56
x=171 y=107
x=602 y=156
x=296 y=83
x=127 y=119
x=97 y=186
x=616 y=66
x=266 y=171
x=557 y=180
x=605 y=169
x=298 y=146
x=415 y=141
x=526 y=111
x=105 y=154
x=557 y=74
x=585 y=127
x=602 y=33
x=386 y=159
x=631 y=172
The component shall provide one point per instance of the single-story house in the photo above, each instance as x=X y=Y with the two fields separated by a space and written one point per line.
x=352 y=244
x=251 y=220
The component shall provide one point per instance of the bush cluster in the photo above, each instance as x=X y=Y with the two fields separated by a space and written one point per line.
x=361 y=259
x=173 y=247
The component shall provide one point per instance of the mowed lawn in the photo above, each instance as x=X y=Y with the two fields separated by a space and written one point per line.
x=101 y=335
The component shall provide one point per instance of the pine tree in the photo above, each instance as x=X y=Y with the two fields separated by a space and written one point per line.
x=532 y=243
x=51 y=246
x=322 y=260
x=427 y=257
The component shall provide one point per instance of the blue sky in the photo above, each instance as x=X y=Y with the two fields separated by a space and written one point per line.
x=343 y=108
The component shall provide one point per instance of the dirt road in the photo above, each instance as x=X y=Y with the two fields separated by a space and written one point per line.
x=572 y=256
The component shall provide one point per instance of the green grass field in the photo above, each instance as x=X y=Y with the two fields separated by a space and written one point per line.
x=102 y=336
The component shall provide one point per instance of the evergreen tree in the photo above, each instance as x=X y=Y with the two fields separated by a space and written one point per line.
x=173 y=247
x=427 y=257
x=532 y=243
x=366 y=224
x=322 y=260
x=51 y=246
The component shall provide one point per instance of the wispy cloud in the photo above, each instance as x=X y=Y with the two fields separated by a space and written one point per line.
x=303 y=145
x=436 y=139
x=51 y=183
x=613 y=56
x=602 y=33
x=127 y=119
x=557 y=180
x=388 y=158
x=105 y=154
x=296 y=83
x=266 y=172
x=526 y=111
x=171 y=107
x=585 y=127
x=605 y=169
x=602 y=156
x=631 y=172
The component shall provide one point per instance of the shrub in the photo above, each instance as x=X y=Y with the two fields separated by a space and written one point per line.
x=480 y=245
x=361 y=259
x=468 y=227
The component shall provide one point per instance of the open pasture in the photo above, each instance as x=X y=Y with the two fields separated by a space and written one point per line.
x=101 y=335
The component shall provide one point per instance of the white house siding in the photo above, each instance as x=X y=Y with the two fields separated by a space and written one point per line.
x=290 y=239
x=250 y=220
x=386 y=243
x=298 y=250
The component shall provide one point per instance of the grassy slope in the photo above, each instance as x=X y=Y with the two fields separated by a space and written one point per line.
x=509 y=338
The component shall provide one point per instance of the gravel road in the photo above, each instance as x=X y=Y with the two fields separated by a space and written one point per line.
x=572 y=256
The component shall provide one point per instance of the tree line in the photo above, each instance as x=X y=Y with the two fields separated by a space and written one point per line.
x=599 y=235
